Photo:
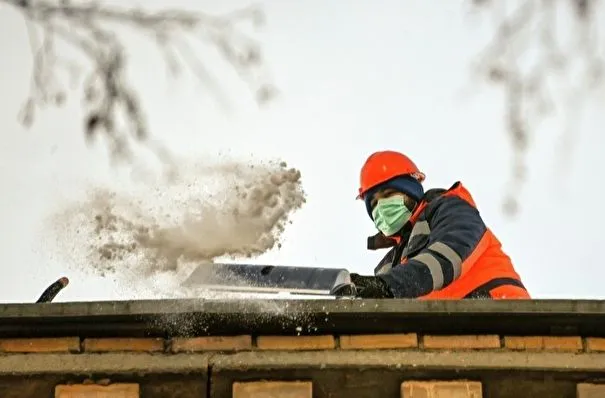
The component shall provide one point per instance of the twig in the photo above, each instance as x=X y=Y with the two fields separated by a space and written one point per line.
x=528 y=97
x=113 y=107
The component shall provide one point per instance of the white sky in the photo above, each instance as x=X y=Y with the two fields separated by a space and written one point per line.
x=352 y=80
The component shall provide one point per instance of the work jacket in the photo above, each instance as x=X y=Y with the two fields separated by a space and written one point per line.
x=445 y=251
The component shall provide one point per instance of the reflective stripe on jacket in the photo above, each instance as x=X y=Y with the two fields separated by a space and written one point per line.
x=447 y=252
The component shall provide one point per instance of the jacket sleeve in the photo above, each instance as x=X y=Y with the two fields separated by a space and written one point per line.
x=455 y=231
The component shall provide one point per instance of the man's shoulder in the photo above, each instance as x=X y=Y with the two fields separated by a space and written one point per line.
x=436 y=193
x=453 y=196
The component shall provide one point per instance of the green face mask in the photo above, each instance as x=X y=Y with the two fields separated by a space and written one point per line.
x=391 y=214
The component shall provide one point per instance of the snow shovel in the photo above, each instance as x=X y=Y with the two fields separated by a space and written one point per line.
x=272 y=279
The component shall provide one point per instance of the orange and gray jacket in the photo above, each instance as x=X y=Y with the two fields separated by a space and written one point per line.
x=446 y=251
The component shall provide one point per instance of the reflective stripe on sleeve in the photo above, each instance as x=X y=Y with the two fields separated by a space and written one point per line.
x=434 y=268
x=450 y=254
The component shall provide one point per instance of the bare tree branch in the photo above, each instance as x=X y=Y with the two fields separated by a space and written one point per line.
x=527 y=82
x=113 y=107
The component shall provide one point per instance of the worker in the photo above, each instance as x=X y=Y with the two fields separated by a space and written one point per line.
x=440 y=246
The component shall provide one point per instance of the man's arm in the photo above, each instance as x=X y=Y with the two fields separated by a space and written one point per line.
x=456 y=229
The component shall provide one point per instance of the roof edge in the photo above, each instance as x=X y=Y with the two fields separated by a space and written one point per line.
x=251 y=316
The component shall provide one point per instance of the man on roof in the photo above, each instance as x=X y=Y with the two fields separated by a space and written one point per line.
x=440 y=246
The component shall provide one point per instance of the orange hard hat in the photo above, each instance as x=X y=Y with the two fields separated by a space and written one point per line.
x=382 y=166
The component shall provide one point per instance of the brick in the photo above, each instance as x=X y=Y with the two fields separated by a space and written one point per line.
x=40 y=345
x=379 y=341
x=441 y=389
x=212 y=343
x=543 y=343
x=462 y=342
x=122 y=390
x=586 y=390
x=273 y=389
x=295 y=342
x=595 y=344
x=124 y=344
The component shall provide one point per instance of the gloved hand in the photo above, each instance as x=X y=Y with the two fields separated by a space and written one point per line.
x=370 y=287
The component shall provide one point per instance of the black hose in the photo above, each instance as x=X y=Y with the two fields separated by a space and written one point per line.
x=51 y=292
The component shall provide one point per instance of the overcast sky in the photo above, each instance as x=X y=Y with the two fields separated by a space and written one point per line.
x=353 y=80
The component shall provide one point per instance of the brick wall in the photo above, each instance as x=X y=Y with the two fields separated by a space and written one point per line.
x=412 y=341
x=267 y=387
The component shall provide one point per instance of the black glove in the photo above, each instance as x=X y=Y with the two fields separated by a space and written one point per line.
x=370 y=287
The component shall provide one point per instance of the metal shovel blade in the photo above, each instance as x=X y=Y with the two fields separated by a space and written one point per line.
x=255 y=278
